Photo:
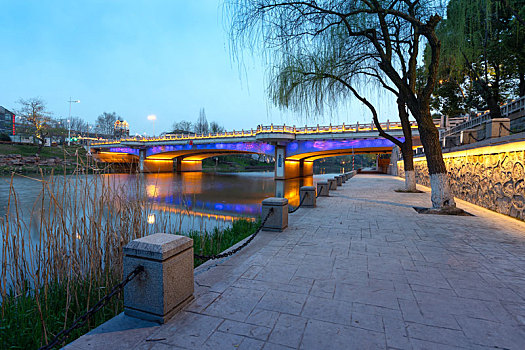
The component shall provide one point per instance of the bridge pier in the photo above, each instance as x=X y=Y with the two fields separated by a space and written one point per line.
x=183 y=166
x=290 y=168
x=142 y=157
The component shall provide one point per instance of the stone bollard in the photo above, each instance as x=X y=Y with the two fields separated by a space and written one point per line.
x=347 y=176
x=332 y=183
x=278 y=220
x=339 y=180
x=166 y=285
x=323 y=188
x=343 y=178
x=308 y=193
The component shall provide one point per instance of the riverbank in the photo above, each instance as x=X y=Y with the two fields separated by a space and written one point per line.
x=58 y=303
x=27 y=159
x=362 y=270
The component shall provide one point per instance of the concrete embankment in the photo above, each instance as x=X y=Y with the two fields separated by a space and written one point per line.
x=361 y=270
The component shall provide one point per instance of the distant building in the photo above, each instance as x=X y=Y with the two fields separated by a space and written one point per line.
x=7 y=121
x=121 y=128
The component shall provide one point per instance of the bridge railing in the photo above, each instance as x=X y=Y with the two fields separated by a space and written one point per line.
x=481 y=118
x=357 y=127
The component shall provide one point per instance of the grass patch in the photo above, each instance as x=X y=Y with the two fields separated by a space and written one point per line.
x=23 y=316
x=73 y=255
x=67 y=152
x=220 y=240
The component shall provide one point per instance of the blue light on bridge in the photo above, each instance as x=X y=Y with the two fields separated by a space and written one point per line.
x=300 y=147
x=251 y=147
x=128 y=150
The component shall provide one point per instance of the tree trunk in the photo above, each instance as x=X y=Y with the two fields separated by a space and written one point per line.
x=406 y=148
x=408 y=165
x=495 y=110
x=439 y=182
x=522 y=84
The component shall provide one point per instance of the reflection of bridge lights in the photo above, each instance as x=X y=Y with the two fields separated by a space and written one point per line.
x=190 y=212
x=151 y=219
x=151 y=190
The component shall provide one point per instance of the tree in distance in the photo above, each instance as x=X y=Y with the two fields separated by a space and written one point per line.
x=182 y=127
x=283 y=28
x=35 y=119
x=201 y=126
x=215 y=128
x=105 y=123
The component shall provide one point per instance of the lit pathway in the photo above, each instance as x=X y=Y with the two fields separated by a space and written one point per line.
x=363 y=270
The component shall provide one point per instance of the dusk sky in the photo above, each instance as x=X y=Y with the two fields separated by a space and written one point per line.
x=135 y=58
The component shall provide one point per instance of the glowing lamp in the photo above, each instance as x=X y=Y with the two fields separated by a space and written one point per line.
x=151 y=218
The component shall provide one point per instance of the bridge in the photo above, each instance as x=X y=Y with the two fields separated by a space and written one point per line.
x=293 y=148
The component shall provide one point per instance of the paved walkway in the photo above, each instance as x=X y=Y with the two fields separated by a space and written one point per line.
x=363 y=270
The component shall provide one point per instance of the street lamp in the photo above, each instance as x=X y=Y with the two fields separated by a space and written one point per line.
x=69 y=121
x=153 y=117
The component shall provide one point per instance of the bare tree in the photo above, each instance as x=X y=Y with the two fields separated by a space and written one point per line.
x=216 y=128
x=105 y=123
x=201 y=126
x=281 y=28
x=35 y=118
x=182 y=127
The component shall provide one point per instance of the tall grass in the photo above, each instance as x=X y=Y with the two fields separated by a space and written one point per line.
x=55 y=265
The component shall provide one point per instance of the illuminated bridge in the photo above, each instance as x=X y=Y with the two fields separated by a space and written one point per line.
x=294 y=149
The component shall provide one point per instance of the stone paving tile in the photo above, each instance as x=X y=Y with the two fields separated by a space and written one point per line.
x=288 y=330
x=363 y=270
x=325 y=335
x=439 y=335
x=220 y=340
x=245 y=329
x=186 y=329
x=234 y=303
x=492 y=334
x=262 y=317
x=288 y=302
x=251 y=344
x=330 y=310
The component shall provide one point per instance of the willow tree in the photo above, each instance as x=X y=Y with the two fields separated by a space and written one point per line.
x=483 y=41
x=281 y=28
x=309 y=82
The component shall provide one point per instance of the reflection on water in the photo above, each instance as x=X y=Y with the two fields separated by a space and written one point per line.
x=199 y=200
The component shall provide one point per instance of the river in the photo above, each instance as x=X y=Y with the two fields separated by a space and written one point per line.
x=200 y=200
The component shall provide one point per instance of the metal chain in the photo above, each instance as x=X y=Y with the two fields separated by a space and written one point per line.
x=297 y=207
x=509 y=130
x=476 y=139
x=501 y=125
x=80 y=321
x=231 y=252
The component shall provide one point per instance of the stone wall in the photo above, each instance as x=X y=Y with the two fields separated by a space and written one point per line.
x=492 y=177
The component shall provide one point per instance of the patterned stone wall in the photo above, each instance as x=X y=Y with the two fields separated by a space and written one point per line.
x=490 y=177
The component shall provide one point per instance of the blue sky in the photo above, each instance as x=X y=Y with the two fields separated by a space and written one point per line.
x=168 y=58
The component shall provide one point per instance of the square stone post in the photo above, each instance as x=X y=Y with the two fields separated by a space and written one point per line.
x=332 y=183
x=308 y=193
x=339 y=180
x=323 y=188
x=166 y=285
x=343 y=178
x=497 y=127
x=278 y=220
